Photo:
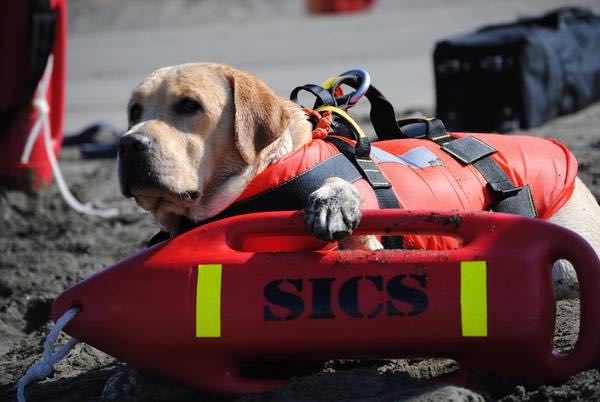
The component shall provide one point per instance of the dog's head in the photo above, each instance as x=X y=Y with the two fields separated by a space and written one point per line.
x=197 y=135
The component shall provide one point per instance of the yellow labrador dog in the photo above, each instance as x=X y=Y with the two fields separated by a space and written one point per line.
x=199 y=133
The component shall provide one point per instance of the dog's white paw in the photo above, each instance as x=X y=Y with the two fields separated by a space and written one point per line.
x=367 y=242
x=565 y=280
x=333 y=211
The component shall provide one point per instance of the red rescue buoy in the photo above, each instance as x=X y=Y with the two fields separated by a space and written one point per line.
x=32 y=75
x=198 y=307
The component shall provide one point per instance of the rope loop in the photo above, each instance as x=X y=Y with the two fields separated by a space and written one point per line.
x=324 y=122
x=42 y=125
x=44 y=367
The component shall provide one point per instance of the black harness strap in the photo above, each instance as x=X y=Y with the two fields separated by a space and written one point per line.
x=323 y=96
x=386 y=199
x=519 y=203
x=383 y=116
x=364 y=164
x=508 y=198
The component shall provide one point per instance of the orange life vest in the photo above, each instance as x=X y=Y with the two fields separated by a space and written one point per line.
x=423 y=176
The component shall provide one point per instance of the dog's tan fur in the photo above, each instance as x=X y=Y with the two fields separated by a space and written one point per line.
x=243 y=128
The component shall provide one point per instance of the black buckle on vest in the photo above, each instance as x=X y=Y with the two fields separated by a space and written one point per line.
x=504 y=188
x=421 y=127
x=468 y=149
x=519 y=202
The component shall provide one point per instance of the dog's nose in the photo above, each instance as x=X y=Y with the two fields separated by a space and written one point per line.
x=135 y=143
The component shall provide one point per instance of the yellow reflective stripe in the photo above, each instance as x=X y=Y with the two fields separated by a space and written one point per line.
x=439 y=137
x=345 y=116
x=208 y=301
x=473 y=298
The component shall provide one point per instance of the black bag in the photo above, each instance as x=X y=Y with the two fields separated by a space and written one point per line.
x=521 y=74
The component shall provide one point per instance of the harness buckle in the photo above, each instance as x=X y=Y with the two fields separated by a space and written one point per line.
x=504 y=189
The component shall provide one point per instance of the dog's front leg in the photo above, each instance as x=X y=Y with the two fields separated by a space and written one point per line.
x=333 y=210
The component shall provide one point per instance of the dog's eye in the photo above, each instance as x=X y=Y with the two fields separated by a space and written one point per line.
x=187 y=106
x=135 y=112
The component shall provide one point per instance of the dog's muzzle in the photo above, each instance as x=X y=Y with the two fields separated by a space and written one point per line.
x=135 y=153
x=135 y=144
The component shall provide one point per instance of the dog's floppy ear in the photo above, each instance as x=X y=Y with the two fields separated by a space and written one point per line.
x=259 y=116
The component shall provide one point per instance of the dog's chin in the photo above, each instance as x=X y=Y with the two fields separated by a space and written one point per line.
x=167 y=208
x=168 y=221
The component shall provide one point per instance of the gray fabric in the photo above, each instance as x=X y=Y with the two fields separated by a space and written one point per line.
x=417 y=158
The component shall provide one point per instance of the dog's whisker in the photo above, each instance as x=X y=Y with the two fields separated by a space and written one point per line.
x=188 y=196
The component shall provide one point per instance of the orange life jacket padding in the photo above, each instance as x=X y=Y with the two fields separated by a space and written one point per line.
x=445 y=183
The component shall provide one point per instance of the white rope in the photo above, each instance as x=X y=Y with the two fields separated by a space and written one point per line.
x=41 y=105
x=44 y=367
x=42 y=124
